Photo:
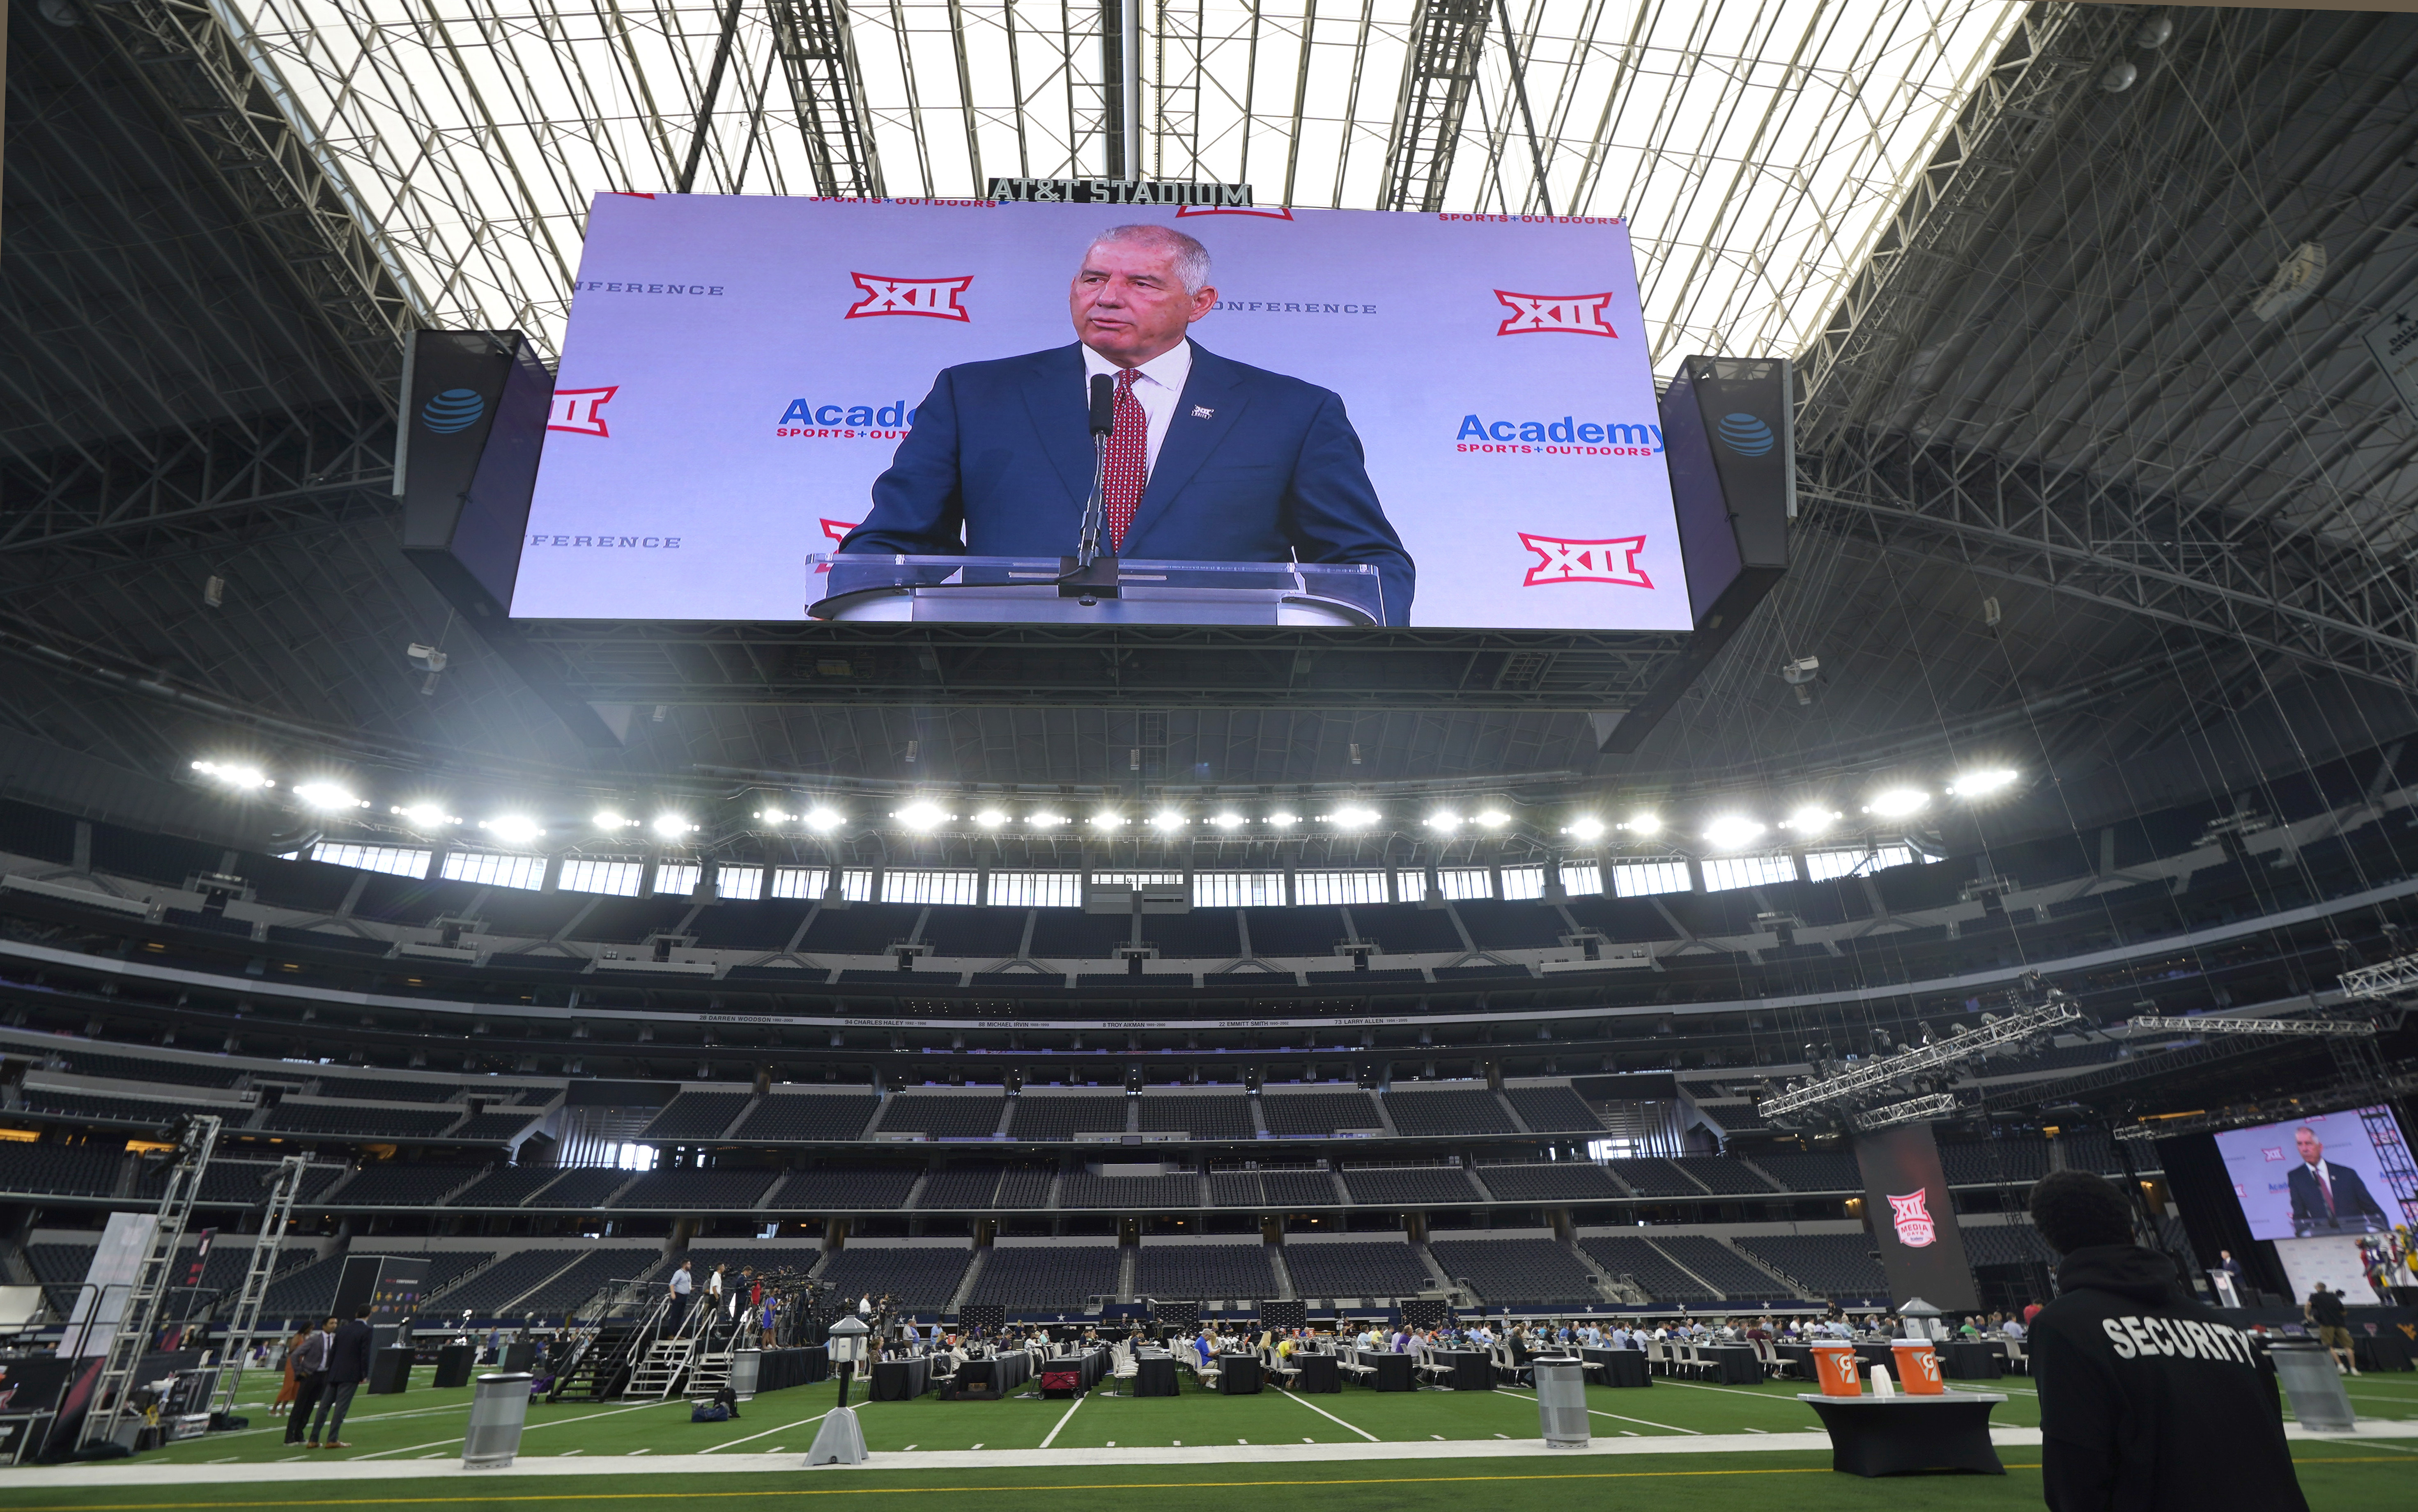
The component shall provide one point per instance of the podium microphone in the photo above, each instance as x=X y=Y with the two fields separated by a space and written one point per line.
x=1081 y=579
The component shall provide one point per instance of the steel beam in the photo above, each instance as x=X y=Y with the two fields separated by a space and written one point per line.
x=827 y=87
x=1447 y=38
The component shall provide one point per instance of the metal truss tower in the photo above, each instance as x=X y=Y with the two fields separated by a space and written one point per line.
x=141 y=1313
x=243 y=1326
x=1447 y=37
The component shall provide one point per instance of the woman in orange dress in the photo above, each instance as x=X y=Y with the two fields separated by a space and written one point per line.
x=285 y=1393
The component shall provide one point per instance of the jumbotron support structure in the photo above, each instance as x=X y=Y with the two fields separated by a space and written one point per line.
x=1447 y=38
x=826 y=86
x=2304 y=1028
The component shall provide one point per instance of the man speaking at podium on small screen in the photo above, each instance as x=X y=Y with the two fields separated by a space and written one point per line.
x=1210 y=459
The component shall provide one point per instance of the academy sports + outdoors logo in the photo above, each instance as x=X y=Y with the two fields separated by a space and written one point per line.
x=812 y=421
x=581 y=411
x=1574 y=315
x=1566 y=437
x=1912 y=1213
x=1586 y=561
x=936 y=297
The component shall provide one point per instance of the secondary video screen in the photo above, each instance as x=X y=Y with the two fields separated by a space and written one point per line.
x=1464 y=401
x=2329 y=1173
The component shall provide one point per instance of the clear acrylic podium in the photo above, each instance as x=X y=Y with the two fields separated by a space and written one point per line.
x=1016 y=591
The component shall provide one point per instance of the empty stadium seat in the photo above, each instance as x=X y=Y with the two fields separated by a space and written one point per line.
x=1356 y=1268
x=1516 y=1270
x=1055 y=1277
x=1201 y=1272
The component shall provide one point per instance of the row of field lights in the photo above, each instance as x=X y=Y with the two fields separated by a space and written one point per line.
x=1726 y=831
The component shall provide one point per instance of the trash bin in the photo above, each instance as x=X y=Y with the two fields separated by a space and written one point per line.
x=2315 y=1385
x=1561 y=1401
x=497 y=1409
x=744 y=1366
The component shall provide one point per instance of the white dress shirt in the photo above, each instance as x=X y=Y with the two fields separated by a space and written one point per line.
x=1157 y=385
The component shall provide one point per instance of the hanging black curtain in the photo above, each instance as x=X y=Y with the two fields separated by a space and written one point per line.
x=2203 y=1189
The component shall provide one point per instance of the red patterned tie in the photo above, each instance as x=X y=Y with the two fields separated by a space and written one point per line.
x=1127 y=464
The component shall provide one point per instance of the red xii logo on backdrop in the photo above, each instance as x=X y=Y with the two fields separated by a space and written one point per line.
x=1586 y=561
x=1912 y=1213
x=581 y=411
x=933 y=296
x=1580 y=315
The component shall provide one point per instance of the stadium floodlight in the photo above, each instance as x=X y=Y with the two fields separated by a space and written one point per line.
x=611 y=819
x=1230 y=820
x=514 y=829
x=1494 y=818
x=990 y=819
x=671 y=826
x=1983 y=782
x=1643 y=824
x=1108 y=819
x=1913 y=1110
x=1443 y=820
x=1353 y=817
x=1169 y=820
x=1044 y=819
x=327 y=796
x=1281 y=819
x=1811 y=819
x=920 y=816
x=1733 y=830
x=424 y=815
x=244 y=779
x=822 y=820
x=1586 y=827
x=1898 y=802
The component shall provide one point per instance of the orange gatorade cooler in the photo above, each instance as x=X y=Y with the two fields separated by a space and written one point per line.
x=1834 y=1362
x=1917 y=1366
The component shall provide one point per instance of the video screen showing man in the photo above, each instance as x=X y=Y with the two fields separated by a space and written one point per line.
x=2329 y=1198
x=1210 y=459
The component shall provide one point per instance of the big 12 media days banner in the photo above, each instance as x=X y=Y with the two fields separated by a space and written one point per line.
x=738 y=371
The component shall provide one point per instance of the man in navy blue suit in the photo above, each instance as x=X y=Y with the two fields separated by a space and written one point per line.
x=1211 y=460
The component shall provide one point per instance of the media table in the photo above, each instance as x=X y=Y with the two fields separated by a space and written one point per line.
x=1908 y=1435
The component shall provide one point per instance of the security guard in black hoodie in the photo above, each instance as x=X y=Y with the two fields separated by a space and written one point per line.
x=2148 y=1399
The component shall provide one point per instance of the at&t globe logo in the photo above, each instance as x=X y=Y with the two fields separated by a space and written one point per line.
x=455 y=409
x=1745 y=435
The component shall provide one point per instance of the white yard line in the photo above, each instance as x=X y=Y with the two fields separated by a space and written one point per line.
x=558 y=1422
x=769 y=1432
x=1329 y=1417
x=1615 y=1416
x=1064 y=1421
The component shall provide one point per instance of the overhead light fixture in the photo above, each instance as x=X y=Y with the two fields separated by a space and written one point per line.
x=1444 y=821
x=990 y=819
x=1586 y=827
x=1811 y=819
x=1044 y=819
x=1494 y=818
x=1897 y=803
x=1983 y=782
x=326 y=795
x=424 y=815
x=514 y=829
x=920 y=816
x=1167 y=819
x=1281 y=819
x=823 y=820
x=1643 y=824
x=1353 y=817
x=245 y=778
x=1108 y=819
x=1230 y=820
x=608 y=819
x=1731 y=830
x=671 y=826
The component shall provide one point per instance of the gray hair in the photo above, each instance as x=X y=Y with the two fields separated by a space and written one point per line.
x=1191 y=258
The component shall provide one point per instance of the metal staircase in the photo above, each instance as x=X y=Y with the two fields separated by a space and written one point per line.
x=612 y=1333
x=195 y=1143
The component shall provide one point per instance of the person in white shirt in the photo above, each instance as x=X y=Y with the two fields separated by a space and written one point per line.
x=682 y=1283
x=864 y=1305
x=2014 y=1329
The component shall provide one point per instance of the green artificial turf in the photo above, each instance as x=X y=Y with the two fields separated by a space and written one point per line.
x=2337 y=1479
x=426 y=1423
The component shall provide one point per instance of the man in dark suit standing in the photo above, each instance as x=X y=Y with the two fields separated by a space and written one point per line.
x=310 y=1378
x=1210 y=459
x=349 y=1366
x=2328 y=1198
